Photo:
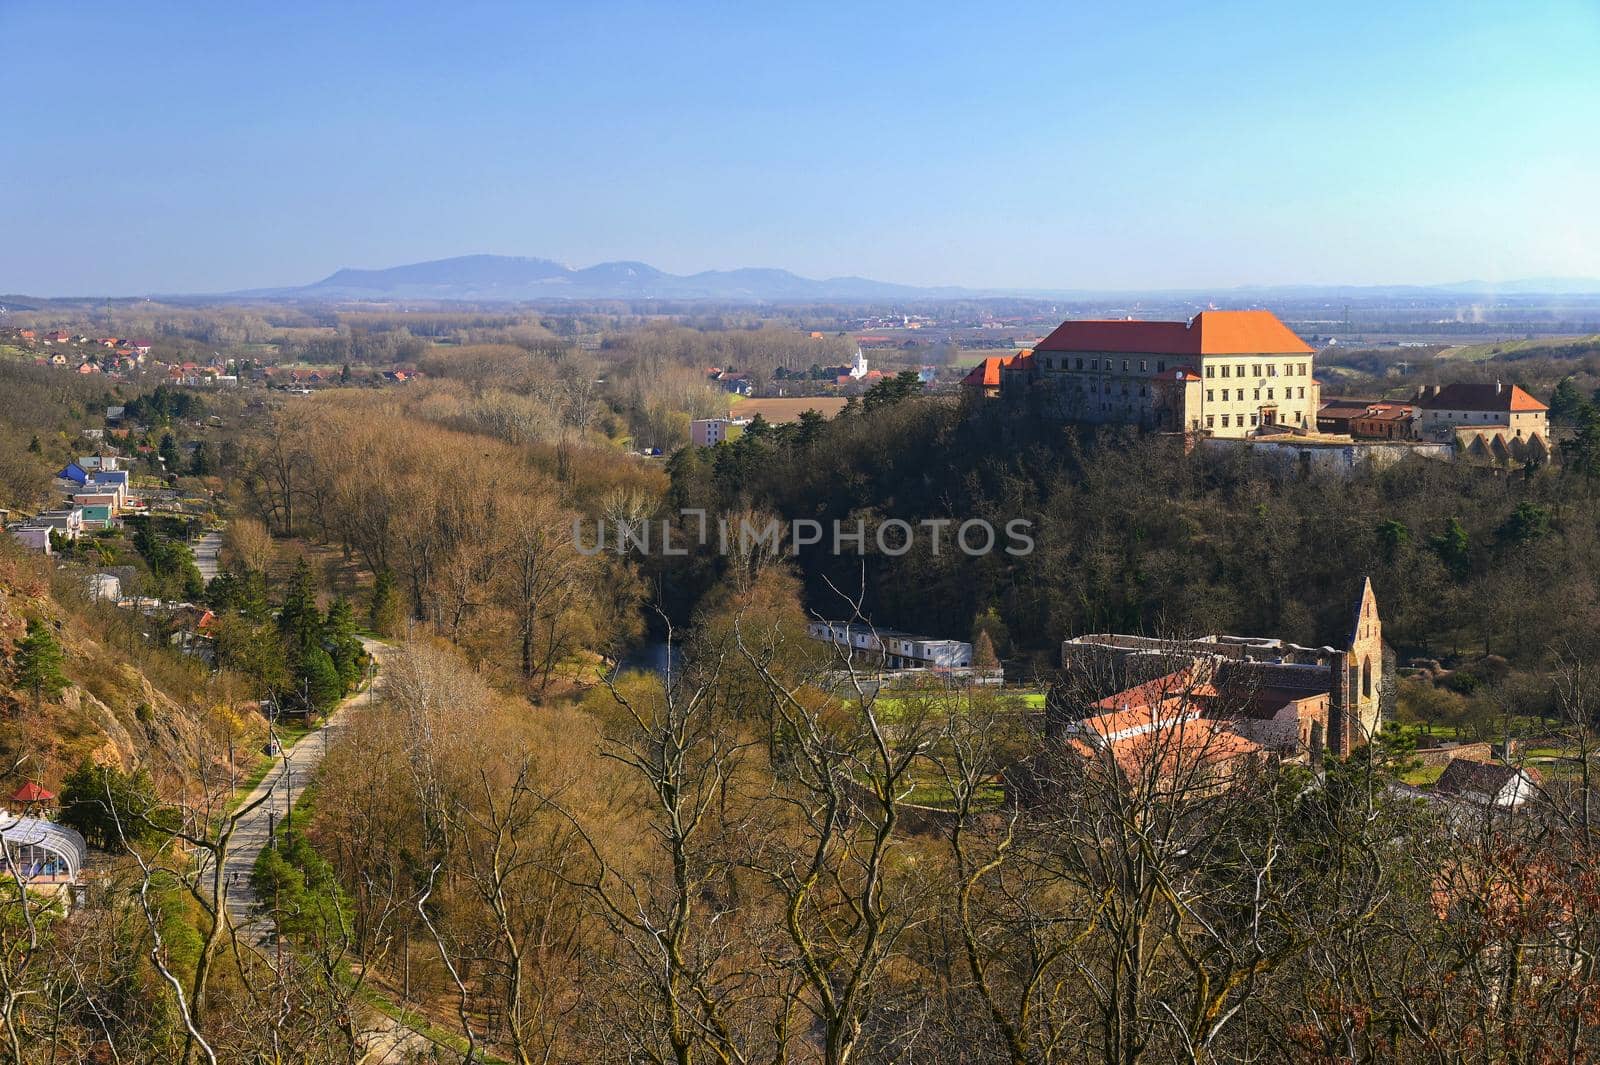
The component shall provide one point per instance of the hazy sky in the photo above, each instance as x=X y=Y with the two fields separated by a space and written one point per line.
x=166 y=147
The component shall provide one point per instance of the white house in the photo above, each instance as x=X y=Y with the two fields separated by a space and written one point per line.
x=896 y=649
x=1488 y=783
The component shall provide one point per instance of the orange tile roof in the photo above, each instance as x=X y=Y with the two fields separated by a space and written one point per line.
x=1207 y=333
x=1465 y=396
x=987 y=373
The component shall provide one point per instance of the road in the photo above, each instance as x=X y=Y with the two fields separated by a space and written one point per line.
x=208 y=554
x=284 y=784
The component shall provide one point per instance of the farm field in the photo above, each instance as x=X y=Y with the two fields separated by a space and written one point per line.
x=785 y=409
x=1485 y=352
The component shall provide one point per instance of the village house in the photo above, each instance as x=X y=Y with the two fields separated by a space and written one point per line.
x=1487 y=783
x=33 y=537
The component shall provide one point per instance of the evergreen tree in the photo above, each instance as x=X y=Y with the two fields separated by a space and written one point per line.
x=1566 y=402
x=319 y=681
x=1393 y=536
x=169 y=452
x=1453 y=549
x=108 y=806
x=1525 y=524
x=200 y=464
x=38 y=661
x=339 y=633
x=300 y=621
x=383 y=615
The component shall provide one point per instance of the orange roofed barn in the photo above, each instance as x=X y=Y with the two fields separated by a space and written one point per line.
x=1226 y=373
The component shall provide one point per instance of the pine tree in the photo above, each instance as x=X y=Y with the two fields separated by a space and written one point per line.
x=383 y=616
x=300 y=621
x=201 y=465
x=339 y=633
x=169 y=452
x=319 y=681
x=38 y=661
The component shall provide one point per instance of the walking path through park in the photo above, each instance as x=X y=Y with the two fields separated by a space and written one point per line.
x=208 y=554
x=284 y=784
x=392 y=1040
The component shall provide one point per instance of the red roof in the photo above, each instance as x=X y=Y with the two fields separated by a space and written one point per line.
x=1207 y=333
x=32 y=792
x=987 y=373
x=1464 y=396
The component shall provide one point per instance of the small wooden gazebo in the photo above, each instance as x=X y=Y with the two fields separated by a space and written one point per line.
x=31 y=796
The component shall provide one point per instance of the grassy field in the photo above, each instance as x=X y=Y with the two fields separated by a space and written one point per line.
x=784 y=410
x=1485 y=352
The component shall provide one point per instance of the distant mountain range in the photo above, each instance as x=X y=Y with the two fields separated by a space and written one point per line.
x=505 y=278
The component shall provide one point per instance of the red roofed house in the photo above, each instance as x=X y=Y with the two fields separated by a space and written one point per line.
x=1492 y=422
x=58 y=337
x=1226 y=373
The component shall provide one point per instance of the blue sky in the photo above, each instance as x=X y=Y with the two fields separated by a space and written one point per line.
x=159 y=147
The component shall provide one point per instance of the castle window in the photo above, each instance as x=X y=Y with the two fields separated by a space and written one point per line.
x=1211 y=421
x=1224 y=370
x=1211 y=396
x=1094 y=364
x=1224 y=421
x=1366 y=678
x=1144 y=365
x=1080 y=364
x=1209 y=370
x=1255 y=370
x=1269 y=393
x=1161 y=366
x=1124 y=365
x=1272 y=369
x=1257 y=393
x=1252 y=419
x=1302 y=394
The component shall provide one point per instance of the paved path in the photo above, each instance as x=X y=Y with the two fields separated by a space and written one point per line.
x=285 y=783
x=208 y=554
x=391 y=1040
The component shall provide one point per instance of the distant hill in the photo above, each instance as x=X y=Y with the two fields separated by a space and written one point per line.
x=515 y=279
x=511 y=278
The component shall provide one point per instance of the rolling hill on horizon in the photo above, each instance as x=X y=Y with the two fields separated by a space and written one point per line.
x=514 y=279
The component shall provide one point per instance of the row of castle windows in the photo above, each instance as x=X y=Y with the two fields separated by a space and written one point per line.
x=1211 y=420
x=1288 y=393
x=1094 y=364
x=1296 y=369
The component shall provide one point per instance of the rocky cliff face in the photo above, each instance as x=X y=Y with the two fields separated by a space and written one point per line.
x=141 y=707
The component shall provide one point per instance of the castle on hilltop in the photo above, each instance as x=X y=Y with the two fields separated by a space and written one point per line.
x=1226 y=373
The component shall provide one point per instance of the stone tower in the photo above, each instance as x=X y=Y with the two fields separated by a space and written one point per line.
x=1365 y=665
x=1355 y=681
